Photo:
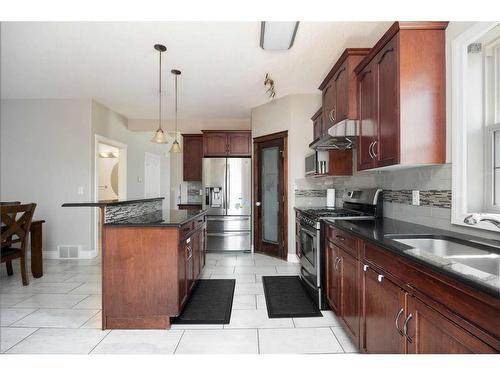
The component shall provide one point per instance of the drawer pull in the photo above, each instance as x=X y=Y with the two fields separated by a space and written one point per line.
x=365 y=267
x=337 y=262
x=380 y=278
x=340 y=237
x=188 y=240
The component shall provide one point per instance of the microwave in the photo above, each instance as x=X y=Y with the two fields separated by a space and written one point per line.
x=312 y=164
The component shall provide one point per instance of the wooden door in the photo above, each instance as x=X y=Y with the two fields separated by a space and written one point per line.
x=239 y=144
x=270 y=195
x=430 y=332
x=333 y=277
x=386 y=148
x=192 y=157
x=195 y=239
x=341 y=94
x=349 y=292
x=383 y=309
x=181 y=269
x=328 y=106
x=367 y=117
x=214 y=144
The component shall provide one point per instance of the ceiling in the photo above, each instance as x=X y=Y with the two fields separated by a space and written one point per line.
x=223 y=66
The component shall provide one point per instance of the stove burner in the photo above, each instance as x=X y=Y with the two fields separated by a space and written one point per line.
x=333 y=212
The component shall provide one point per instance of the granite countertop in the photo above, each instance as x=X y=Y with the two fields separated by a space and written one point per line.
x=381 y=230
x=163 y=218
x=114 y=202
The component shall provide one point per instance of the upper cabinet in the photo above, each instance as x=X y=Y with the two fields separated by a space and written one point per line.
x=339 y=99
x=401 y=97
x=230 y=143
x=192 y=156
x=317 y=120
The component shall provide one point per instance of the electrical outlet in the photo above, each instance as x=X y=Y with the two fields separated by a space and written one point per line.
x=415 y=197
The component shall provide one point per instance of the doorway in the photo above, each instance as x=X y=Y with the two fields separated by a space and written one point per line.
x=152 y=172
x=110 y=179
x=271 y=194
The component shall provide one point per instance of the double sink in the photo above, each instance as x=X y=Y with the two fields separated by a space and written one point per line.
x=452 y=251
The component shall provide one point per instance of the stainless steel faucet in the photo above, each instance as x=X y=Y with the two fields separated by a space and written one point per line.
x=473 y=219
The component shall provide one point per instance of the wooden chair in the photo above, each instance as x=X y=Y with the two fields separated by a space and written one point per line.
x=16 y=222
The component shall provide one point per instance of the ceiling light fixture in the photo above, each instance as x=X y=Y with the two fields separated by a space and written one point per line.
x=277 y=36
x=269 y=85
x=160 y=136
x=176 y=147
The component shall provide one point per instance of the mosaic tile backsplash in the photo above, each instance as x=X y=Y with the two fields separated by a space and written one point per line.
x=122 y=211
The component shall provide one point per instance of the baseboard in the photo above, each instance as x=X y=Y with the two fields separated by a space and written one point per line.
x=82 y=254
x=292 y=258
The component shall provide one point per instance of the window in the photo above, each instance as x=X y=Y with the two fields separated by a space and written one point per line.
x=475 y=123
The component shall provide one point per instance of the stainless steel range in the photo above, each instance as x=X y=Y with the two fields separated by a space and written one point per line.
x=362 y=204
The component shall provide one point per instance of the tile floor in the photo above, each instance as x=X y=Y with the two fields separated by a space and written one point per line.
x=61 y=313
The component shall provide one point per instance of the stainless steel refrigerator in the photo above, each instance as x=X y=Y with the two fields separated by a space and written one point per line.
x=227 y=186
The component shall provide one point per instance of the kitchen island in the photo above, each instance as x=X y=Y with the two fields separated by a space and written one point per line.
x=151 y=261
x=150 y=265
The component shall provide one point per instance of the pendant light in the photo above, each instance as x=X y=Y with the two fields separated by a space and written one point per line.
x=160 y=136
x=176 y=147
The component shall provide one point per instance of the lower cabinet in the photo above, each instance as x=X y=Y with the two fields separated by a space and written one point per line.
x=332 y=277
x=349 y=296
x=383 y=311
x=430 y=332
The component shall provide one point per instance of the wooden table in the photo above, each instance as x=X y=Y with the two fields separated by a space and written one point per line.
x=36 y=248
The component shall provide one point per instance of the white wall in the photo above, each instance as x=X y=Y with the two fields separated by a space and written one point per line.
x=45 y=158
x=292 y=113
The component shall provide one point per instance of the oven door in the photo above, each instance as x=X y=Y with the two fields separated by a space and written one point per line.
x=309 y=252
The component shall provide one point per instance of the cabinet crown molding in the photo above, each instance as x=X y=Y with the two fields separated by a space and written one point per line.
x=347 y=52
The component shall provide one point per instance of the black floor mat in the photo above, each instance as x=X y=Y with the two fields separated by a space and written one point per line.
x=286 y=297
x=210 y=303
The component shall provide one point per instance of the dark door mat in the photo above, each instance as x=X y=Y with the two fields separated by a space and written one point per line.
x=287 y=297
x=210 y=303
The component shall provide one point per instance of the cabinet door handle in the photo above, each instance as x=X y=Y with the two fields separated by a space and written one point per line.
x=373 y=149
x=380 y=278
x=370 y=150
x=405 y=327
x=337 y=263
x=365 y=267
x=330 y=117
x=397 y=322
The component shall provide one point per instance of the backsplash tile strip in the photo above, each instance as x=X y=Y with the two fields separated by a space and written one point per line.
x=122 y=211
x=431 y=198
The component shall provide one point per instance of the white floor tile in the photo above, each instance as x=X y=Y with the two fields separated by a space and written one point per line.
x=93 y=301
x=344 y=339
x=255 y=269
x=88 y=288
x=235 y=341
x=225 y=262
x=256 y=319
x=327 y=320
x=139 y=342
x=52 y=278
x=56 y=318
x=221 y=269
x=60 y=341
x=42 y=287
x=54 y=301
x=94 y=322
x=250 y=278
x=245 y=261
x=248 y=288
x=244 y=302
x=84 y=278
x=261 y=302
x=10 y=336
x=298 y=341
x=11 y=315
x=196 y=326
x=9 y=300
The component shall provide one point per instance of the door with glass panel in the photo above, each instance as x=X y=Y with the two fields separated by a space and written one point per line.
x=270 y=197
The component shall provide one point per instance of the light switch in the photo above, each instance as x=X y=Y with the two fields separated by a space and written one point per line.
x=139 y=179
x=415 y=197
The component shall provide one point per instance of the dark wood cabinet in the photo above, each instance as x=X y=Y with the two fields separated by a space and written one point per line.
x=383 y=312
x=230 y=143
x=192 y=157
x=401 y=97
x=349 y=287
x=317 y=120
x=430 y=332
x=332 y=277
x=340 y=162
x=339 y=97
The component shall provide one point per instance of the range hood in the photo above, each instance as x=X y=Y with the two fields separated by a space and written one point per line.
x=340 y=136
